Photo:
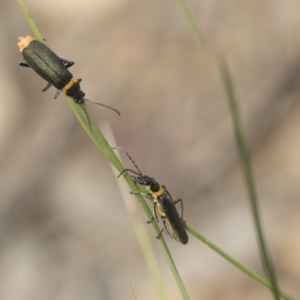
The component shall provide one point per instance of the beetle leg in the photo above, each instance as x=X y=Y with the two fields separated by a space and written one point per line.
x=67 y=63
x=46 y=87
x=23 y=64
x=56 y=94
x=179 y=200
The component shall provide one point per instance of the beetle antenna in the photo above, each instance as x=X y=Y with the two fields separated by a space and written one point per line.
x=129 y=170
x=103 y=105
x=140 y=173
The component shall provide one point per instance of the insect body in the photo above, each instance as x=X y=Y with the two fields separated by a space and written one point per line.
x=53 y=69
x=164 y=206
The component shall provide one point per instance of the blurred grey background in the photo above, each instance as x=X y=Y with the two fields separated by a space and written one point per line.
x=64 y=230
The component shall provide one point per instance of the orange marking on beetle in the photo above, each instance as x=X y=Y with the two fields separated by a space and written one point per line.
x=155 y=194
x=69 y=85
x=159 y=209
x=24 y=42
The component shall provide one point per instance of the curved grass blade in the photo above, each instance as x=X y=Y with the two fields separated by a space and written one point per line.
x=30 y=21
x=236 y=263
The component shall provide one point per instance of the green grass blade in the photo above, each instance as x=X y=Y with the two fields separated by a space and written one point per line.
x=249 y=180
x=103 y=146
x=190 y=21
x=265 y=256
x=236 y=263
x=140 y=231
x=100 y=142
x=30 y=21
